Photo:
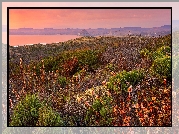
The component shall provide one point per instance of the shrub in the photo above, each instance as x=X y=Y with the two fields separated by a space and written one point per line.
x=144 y=52
x=87 y=57
x=70 y=67
x=26 y=112
x=62 y=80
x=124 y=79
x=111 y=67
x=161 y=52
x=31 y=112
x=37 y=67
x=47 y=117
x=162 y=67
x=165 y=50
x=100 y=113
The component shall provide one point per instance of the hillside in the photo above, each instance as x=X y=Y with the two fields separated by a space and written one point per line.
x=92 y=81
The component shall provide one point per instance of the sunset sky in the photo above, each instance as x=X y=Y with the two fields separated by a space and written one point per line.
x=88 y=18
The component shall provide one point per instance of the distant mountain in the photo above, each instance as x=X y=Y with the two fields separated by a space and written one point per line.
x=155 y=31
x=166 y=26
x=84 y=33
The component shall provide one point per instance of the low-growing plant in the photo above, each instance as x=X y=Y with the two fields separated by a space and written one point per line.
x=62 y=81
x=48 y=117
x=124 y=79
x=144 y=52
x=70 y=67
x=161 y=52
x=111 y=67
x=30 y=111
x=100 y=113
x=162 y=67
x=26 y=112
x=14 y=68
x=88 y=57
x=165 y=50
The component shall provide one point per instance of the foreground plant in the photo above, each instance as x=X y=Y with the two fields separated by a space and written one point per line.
x=26 y=112
x=31 y=112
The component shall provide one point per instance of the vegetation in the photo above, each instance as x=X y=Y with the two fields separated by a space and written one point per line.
x=31 y=112
x=162 y=67
x=92 y=81
x=124 y=79
x=26 y=112
x=47 y=117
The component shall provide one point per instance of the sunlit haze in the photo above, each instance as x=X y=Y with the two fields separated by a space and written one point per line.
x=88 y=18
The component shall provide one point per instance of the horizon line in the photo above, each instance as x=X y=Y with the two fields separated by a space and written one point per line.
x=89 y=27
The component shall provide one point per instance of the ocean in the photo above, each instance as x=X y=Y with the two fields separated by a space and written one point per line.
x=15 y=40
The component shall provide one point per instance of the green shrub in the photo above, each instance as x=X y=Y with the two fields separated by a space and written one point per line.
x=161 y=52
x=31 y=112
x=37 y=67
x=26 y=112
x=165 y=50
x=123 y=80
x=62 y=81
x=100 y=113
x=87 y=57
x=144 y=52
x=111 y=67
x=162 y=67
x=154 y=54
x=47 y=117
x=69 y=62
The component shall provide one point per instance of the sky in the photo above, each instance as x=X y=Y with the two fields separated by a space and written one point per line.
x=160 y=18
x=88 y=18
x=174 y=5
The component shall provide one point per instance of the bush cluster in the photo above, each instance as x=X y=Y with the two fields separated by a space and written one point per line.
x=162 y=67
x=32 y=112
x=124 y=79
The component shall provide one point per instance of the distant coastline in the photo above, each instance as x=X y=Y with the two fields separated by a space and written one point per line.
x=163 y=30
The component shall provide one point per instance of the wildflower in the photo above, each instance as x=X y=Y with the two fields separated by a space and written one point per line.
x=97 y=97
x=78 y=99
x=153 y=98
x=11 y=104
x=129 y=89
x=87 y=104
x=20 y=61
x=113 y=74
x=92 y=92
x=142 y=106
x=164 y=81
x=115 y=109
x=57 y=71
x=165 y=90
x=108 y=93
x=136 y=105
x=104 y=82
